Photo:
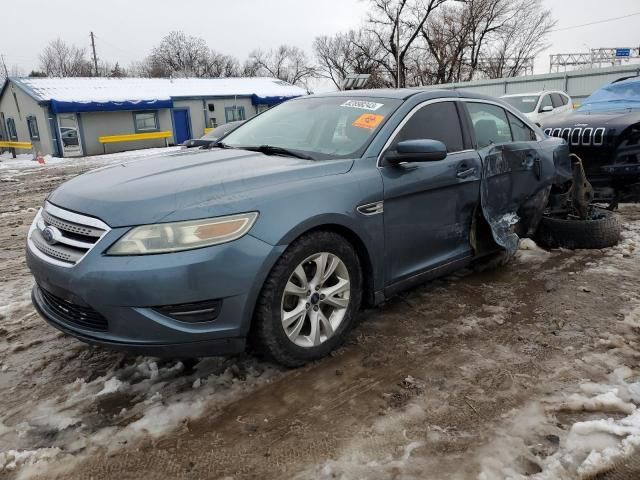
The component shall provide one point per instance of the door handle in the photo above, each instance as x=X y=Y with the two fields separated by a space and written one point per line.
x=464 y=173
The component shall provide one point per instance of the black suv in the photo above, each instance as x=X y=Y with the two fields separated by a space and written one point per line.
x=605 y=133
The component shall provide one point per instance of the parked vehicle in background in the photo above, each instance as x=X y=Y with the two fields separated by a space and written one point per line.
x=541 y=105
x=286 y=228
x=213 y=136
x=605 y=133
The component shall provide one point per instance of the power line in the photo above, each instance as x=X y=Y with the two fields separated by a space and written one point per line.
x=595 y=23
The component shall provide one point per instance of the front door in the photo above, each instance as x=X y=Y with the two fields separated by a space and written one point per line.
x=181 y=125
x=69 y=135
x=429 y=206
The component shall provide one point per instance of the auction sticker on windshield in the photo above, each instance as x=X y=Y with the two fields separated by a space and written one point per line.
x=363 y=104
x=368 y=120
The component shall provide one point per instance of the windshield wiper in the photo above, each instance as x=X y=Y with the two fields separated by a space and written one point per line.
x=273 y=150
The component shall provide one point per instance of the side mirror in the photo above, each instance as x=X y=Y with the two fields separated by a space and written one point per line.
x=417 y=151
x=546 y=109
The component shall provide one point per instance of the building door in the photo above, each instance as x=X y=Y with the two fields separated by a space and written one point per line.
x=181 y=125
x=70 y=135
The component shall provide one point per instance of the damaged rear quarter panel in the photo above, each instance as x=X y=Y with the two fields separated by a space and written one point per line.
x=515 y=186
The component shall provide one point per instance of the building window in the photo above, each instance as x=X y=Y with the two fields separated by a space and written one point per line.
x=234 y=114
x=146 y=121
x=32 y=124
x=11 y=129
x=213 y=122
x=262 y=108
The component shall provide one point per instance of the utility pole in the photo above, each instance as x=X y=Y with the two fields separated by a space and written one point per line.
x=398 y=47
x=95 y=57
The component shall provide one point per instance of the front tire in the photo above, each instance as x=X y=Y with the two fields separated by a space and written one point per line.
x=309 y=300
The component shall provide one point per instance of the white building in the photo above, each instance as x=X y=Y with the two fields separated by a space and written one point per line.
x=69 y=117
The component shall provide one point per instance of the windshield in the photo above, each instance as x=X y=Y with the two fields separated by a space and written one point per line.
x=626 y=92
x=524 y=104
x=320 y=128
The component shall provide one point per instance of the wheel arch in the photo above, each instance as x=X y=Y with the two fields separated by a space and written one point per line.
x=362 y=251
x=360 y=240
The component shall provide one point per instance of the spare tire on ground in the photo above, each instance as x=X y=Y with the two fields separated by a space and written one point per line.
x=602 y=230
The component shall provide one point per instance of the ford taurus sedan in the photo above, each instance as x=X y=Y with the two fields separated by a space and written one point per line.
x=282 y=233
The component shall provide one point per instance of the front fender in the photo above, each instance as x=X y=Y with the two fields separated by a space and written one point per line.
x=328 y=202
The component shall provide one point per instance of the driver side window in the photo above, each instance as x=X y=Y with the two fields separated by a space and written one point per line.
x=438 y=121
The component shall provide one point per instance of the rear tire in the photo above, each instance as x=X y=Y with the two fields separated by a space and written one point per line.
x=602 y=231
x=322 y=324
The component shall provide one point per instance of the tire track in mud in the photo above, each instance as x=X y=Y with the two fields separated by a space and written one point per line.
x=409 y=352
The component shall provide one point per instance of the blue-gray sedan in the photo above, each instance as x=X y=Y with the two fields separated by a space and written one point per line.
x=281 y=233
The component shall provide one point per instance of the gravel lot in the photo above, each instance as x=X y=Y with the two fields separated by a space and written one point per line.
x=526 y=372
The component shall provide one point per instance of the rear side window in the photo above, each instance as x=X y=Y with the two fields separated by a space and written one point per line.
x=520 y=131
x=558 y=100
x=546 y=102
x=438 y=121
x=489 y=123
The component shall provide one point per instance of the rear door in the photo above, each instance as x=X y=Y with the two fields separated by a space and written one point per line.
x=428 y=206
x=515 y=180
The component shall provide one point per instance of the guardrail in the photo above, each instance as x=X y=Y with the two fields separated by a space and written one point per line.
x=17 y=145
x=13 y=146
x=134 y=137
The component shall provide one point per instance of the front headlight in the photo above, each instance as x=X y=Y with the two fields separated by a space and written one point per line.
x=175 y=237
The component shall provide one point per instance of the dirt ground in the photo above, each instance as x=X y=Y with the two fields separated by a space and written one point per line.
x=530 y=371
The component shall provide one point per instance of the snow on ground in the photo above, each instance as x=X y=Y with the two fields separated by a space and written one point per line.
x=607 y=425
x=25 y=161
x=164 y=395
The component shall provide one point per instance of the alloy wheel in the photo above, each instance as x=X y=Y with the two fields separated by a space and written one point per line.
x=315 y=300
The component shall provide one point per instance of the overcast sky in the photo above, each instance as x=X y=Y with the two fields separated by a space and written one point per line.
x=127 y=29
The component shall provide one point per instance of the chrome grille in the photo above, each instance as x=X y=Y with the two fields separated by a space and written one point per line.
x=62 y=237
x=578 y=136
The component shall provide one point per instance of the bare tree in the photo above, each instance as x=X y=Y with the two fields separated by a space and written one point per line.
x=286 y=63
x=181 y=55
x=403 y=20
x=184 y=55
x=353 y=52
x=148 y=68
x=62 y=60
x=221 y=65
x=520 y=39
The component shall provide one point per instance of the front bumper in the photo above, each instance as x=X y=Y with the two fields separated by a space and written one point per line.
x=124 y=291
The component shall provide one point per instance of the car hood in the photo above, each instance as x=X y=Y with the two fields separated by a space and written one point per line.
x=593 y=119
x=183 y=187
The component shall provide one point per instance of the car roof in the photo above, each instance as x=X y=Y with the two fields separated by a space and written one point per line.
x=402 y=93
x=399 y=93
x=529 y=94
